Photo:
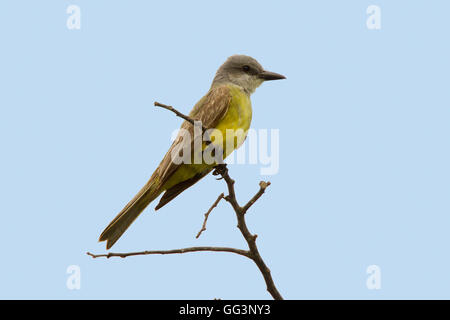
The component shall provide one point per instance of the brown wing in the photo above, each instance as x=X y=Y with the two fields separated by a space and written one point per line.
x=179 y=188
x=209 y=110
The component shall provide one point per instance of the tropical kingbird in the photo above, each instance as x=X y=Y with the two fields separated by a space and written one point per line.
x=226 y=106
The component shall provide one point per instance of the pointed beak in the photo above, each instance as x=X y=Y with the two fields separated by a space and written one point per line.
x=267 y=75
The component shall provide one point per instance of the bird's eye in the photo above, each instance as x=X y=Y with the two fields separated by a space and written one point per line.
x=246 y=68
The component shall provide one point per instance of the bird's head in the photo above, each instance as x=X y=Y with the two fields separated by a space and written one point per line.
x=245 y=72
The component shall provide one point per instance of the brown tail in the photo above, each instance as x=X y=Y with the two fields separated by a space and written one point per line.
x=125 y=218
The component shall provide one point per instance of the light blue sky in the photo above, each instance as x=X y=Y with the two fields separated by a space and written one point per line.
x=364 y=147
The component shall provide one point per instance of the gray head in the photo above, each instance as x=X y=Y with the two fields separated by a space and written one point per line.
x=245 y=72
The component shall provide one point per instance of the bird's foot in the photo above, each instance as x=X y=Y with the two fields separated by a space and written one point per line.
x=220 y=169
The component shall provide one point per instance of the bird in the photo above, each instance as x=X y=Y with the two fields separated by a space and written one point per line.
x=226 y=106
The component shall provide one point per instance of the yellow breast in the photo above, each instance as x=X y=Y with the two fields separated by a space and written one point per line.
x=237 y=120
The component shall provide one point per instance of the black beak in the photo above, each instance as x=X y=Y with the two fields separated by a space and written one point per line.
x=267 y=75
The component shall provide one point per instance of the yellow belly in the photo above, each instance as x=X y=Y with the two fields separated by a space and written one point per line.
x=234 y=125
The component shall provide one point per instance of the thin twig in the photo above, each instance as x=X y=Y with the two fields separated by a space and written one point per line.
x=179 y=114
x=221 y=196
x=175 y=251
x=262 y=188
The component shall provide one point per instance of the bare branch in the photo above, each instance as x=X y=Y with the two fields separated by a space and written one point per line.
x=242 y=225
x=262 y=188
x=175 y=251
x=178 y=113
x=222 y=170
x=221 y=196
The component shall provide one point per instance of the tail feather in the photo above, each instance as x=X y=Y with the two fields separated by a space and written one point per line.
x=126 y=217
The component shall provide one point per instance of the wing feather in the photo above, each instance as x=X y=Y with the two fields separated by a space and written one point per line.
x=209 y=110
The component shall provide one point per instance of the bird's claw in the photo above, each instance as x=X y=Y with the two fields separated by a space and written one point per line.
x=220 y=169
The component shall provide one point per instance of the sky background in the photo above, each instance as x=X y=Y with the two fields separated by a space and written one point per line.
x=364 y=173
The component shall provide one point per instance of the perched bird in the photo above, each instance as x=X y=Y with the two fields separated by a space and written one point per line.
x=225 y=106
